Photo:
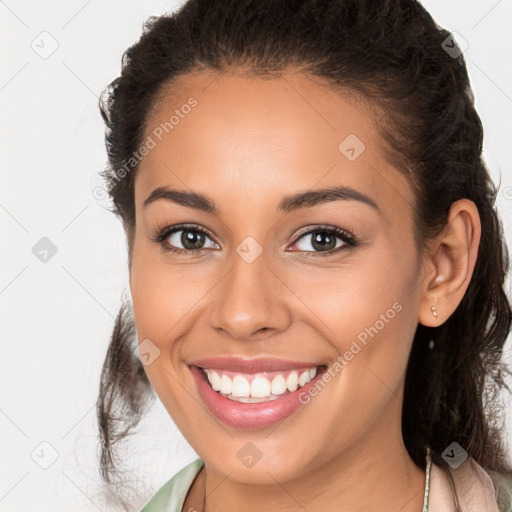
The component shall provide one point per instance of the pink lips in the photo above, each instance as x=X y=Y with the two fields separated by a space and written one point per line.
x=250 y=415
x=252 y=365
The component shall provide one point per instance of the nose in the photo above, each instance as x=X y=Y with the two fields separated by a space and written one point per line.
x=250 y=302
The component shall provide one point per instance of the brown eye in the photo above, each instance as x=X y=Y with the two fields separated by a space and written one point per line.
x=324 y=240
x=185 y=240
x=190 y=239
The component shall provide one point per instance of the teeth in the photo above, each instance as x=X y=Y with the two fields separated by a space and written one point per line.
x=214 y=379
x=226 y=385
x=241 y=387
x=251 y=400
x=304 y=377
x=278 y=385
x=258 y=388
x=292 y=382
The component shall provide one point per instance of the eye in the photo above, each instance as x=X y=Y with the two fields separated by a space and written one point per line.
x=192 y=238
x=325 y=240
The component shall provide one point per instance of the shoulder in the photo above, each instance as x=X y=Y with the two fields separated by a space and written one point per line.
x=171 y=496
x=469 y=488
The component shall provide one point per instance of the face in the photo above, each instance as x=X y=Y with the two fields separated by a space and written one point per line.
x=272 y=281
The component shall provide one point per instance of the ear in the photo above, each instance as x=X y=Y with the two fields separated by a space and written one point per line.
x=449 y=263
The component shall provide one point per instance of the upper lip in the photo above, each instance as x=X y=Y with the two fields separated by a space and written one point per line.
x=251 y=365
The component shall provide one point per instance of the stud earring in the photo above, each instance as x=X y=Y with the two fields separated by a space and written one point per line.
x=434 y=311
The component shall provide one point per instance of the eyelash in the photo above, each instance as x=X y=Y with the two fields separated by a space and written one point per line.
x=162 y=234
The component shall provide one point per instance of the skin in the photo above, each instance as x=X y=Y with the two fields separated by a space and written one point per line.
x=248 y=143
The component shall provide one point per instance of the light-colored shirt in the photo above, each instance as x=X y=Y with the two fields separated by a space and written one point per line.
x=171 y=496
x=475 y=491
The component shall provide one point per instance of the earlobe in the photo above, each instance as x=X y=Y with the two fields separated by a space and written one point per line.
x=452 y=256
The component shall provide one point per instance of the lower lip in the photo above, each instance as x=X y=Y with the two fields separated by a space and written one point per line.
x=256 y=415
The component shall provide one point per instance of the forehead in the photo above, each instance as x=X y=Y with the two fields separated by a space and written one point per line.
x=261 y=137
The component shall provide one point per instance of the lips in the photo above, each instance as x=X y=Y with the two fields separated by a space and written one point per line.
x=253 y=393
x=251 y=365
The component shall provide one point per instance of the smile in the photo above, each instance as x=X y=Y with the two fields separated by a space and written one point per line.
x=259 y=387
x=253 y=393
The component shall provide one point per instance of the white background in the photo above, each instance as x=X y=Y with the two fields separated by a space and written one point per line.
x=57 y=316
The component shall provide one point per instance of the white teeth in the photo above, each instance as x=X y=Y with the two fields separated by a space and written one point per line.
x=214 y=379
x=260 y=389
x=292 y=382
x=240 y=387
x=278 y=385
x=251 y=400
x=304 y=377
x=226 y=385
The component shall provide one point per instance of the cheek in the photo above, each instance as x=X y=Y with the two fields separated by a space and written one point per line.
x=348 y=302
x=366 y=315
x=162 y=294
x=375 y=362
x=159 y=303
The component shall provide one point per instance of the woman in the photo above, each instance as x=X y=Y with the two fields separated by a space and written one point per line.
x=316 y=265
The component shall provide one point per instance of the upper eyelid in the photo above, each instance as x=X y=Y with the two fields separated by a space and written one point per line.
x=321 y=227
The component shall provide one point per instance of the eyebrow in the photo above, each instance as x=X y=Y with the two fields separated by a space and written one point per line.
x=288 y=204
